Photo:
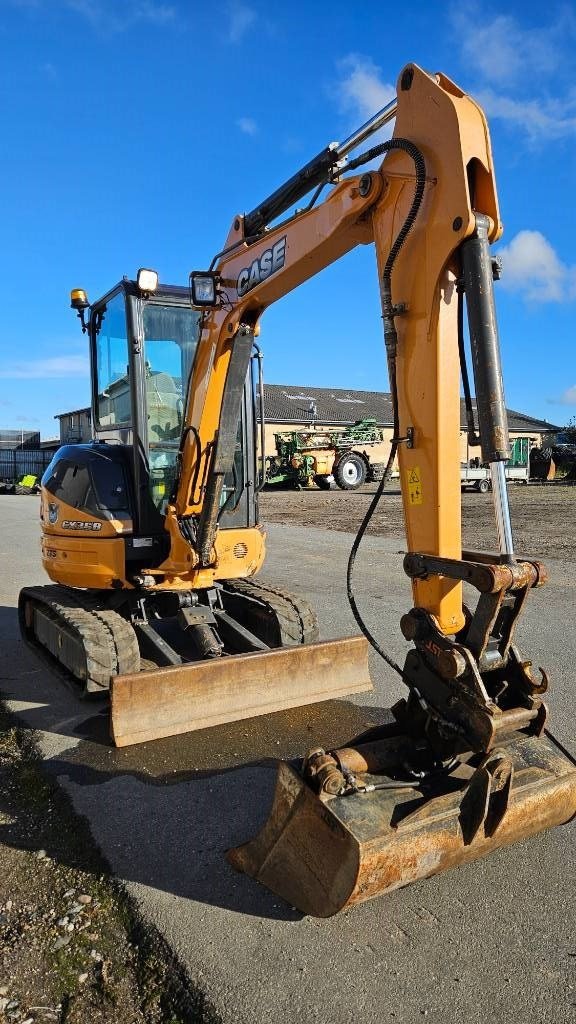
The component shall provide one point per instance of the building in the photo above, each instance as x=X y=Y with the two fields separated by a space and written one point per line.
x=13 y=440
x=75 y=426
x=22 y=453
x=289 y=407
x=296 y=408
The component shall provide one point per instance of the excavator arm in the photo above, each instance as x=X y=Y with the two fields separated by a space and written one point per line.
x=466 y=767
x=447 y=133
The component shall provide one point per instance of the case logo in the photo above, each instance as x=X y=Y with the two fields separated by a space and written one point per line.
x=264 y=266
x=77 y=524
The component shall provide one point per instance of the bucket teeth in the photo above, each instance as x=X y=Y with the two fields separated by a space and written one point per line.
x=322 y=853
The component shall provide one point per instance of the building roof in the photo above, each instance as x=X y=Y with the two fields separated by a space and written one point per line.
x=74 y=412
x=340 y=407
x=289 y=404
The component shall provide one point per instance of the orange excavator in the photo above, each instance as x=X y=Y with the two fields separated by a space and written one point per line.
x=468 y=765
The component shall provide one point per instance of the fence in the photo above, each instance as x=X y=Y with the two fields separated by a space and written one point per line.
x=16 y=463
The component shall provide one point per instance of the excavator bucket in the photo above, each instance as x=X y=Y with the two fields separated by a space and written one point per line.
x=182 y=698
x=323 y=853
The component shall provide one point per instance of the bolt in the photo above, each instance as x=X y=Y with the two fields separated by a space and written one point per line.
x=364 y=185
x=457 y=223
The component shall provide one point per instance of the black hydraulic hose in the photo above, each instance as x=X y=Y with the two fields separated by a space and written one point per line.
x=197 y=446
x=391 y=342
x=473 y=437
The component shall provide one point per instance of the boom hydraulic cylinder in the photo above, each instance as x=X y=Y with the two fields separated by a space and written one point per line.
x=492 y=417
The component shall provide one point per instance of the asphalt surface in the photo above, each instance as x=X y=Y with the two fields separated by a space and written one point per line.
x=493 y=940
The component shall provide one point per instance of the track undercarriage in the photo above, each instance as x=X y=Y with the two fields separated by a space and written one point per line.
x=174 y=662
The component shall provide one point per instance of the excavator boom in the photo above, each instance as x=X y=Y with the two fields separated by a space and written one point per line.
x=467 y=767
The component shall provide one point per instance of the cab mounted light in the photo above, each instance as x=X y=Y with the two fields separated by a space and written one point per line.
x=204 y=288
x=147 y=280
x=79 y=302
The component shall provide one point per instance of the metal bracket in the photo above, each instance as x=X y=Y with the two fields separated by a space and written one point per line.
x=188 y=617
x=408 y=439
x=487 y=796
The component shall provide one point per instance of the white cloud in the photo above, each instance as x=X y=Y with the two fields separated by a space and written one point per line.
x=240 y=18
x=520 y=71
x=531 y=266
x=55 y=366
x=502 y=50
x=361 y=87
x=567 y=397
x=150 y=10
x=539 y=119
x=247 y=125
x=107 y=15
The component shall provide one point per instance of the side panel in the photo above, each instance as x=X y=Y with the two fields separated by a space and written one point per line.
x=87 y=561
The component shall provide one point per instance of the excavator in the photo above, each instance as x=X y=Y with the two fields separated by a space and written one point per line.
x=146 y=608
x=466 y=765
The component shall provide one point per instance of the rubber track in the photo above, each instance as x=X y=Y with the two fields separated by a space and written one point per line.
x=110 y=644
x=296 y=618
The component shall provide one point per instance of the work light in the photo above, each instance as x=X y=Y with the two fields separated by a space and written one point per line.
x=147 y=280
x=203 y=288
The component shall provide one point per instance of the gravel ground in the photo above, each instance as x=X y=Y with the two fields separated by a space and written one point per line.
x=490 y=941
x=71 y=951
x=542 y=516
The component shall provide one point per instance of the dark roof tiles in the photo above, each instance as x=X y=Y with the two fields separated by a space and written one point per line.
x=285 y=404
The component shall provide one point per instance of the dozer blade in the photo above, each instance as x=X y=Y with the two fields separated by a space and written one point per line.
x=323 y=853
x=169 y=701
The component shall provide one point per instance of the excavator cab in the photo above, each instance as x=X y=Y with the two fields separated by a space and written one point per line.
x=142 y=347
x=136 y=612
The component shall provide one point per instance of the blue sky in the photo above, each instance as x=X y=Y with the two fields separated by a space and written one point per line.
x=133 y=131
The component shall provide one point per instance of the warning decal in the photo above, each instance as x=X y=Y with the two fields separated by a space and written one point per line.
x=414 y=486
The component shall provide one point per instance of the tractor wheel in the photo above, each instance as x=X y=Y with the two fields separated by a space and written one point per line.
x=350 y=472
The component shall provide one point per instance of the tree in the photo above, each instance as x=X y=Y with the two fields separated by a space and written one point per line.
x=570 y=430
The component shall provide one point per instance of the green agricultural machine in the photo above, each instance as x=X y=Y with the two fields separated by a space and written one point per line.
x=308 y=457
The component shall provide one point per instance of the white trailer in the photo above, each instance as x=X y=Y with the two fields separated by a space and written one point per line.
x=477 y=477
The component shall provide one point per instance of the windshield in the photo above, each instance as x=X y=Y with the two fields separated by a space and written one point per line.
x=170 y=339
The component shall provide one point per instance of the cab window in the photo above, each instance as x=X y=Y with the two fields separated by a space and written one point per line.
x=112 y=369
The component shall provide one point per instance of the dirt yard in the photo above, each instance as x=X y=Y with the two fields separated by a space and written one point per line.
x=71 y=948
x=543 y=517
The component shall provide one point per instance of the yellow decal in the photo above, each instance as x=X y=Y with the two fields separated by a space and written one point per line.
x=414 y=486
